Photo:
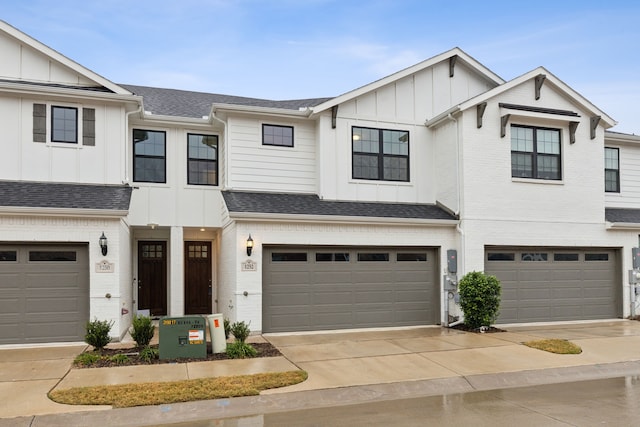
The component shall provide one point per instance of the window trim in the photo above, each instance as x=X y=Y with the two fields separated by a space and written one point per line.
x=617 y=170
x=381 y=155
x=133 y=145
x=535 y=155
x=53 y=108
x=216 y=161
x=269 y=125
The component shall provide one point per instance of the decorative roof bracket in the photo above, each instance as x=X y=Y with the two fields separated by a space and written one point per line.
x=594 y=124
x=334 y=115
x=504 y=120
x=572 y=131
x=480 y=112
x=539 y=82
x=452 y=64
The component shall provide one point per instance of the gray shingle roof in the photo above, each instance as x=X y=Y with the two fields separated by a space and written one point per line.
x=310 y=204
x=64 y=196
x=184 y=103
x=622 y=215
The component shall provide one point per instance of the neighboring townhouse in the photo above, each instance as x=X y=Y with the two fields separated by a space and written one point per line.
x=355 y=211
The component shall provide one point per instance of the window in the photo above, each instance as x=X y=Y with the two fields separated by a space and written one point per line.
x=501 y=256
x=64 y=124
x=202 y=159
x=55 y=256
x=596 y=257
x=281 y=136
x=417 y=256
x=289 y=257
x=535 y=153
x=611 y=170
x=380 y=154
x=328 y=257
x=566 y=257
x=373 y=257
x=533 y=256
x=149 y=156
x=6 y=256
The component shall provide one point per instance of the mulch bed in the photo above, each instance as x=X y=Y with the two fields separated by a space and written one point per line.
x=489 y=330
x=264 y=350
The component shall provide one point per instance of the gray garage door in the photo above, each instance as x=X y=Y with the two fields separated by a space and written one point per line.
x=546 y=284
x=44 y=293
x=320 y=288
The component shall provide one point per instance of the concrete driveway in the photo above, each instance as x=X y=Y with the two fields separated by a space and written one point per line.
x=28 y=374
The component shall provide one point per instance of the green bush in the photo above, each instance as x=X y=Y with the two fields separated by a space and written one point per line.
x=86 y=359
x=241 y=350
x=142 y=330
x=120 y=359
x=479 y=299
x=98 y=333
x=148 y=354
x=240 y=331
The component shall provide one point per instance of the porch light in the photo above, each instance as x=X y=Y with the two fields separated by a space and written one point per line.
x=103 y=244
x=249 y=245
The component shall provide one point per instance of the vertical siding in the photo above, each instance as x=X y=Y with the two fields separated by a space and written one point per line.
x=253 y=166
x=629 y=196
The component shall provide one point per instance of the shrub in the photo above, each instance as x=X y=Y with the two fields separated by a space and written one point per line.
x=86 y=359
x=142 y=330
x=241 y=350
x=148 y=354
x=240 y=331
x=98 y=333
x=120 y=359
x=479 y=299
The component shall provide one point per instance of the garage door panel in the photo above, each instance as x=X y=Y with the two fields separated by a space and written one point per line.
x=574 y=284
x=353 y=294
x=49 y=296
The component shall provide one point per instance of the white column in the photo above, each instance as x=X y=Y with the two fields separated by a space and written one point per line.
x=176 y=272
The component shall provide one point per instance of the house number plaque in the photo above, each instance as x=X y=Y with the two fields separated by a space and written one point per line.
x=249 y=265
x=105 y=267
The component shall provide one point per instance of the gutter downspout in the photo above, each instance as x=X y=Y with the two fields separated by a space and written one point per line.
x=226 y=148
x=126 y=151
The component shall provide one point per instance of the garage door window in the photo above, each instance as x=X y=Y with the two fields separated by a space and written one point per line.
x=8 y=256
x=533 y=256
x=566 y=257
x=373 y=257
x=332 y=257
x=289 y=257
x=596 y=257
x=52 y=256
x=501 y=256
x=407 y=257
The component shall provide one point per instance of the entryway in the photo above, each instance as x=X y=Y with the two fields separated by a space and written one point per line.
x=152 y=277
x=198 y=287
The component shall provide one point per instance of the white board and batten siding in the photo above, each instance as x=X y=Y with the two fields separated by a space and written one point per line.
x=404 y=104
x=257 y=167
x=629 y=164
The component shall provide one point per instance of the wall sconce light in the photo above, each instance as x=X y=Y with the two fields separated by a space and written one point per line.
x=103 y=244
x=249 y=245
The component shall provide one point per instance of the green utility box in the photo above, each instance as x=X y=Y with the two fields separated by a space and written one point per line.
x=182 y=337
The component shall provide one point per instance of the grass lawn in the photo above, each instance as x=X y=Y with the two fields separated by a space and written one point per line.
x=555 y=345
x=127 y=395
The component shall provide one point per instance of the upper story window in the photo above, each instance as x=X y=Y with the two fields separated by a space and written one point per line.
x=202 y=159
x=149 y=160
x=281 y=136
x=535 y=153
x=64 y=124
x=380 y=154
x=611 y=170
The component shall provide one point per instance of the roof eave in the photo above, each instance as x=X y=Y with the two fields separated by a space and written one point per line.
x=271 y=217
x=66 y=212
x=272 y=111
x=27 y=89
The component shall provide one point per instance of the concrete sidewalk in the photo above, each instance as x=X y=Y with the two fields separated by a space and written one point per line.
x=413 y=360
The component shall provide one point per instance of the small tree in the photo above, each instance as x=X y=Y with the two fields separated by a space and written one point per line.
x=479 y=299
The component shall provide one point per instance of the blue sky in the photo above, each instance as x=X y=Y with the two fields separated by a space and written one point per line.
x=287 y=49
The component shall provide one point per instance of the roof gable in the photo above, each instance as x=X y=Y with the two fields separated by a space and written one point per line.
x=455 y=52
x=25 y=59
x=550 y=80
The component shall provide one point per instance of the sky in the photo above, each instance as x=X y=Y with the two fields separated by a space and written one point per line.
x=295 y=49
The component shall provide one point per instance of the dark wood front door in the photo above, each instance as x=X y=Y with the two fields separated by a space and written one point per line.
x=197 y=278
x=152 y=277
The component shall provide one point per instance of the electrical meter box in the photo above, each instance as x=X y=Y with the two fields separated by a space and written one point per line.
x=182 y=337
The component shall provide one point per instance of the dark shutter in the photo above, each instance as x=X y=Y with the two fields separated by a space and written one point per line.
x=89 y=126
x=39 y=123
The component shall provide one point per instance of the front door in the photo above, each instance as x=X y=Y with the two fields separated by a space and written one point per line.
x=152 y=277
x=197 y=278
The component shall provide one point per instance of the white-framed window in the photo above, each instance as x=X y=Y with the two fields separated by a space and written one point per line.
x=535 y=153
